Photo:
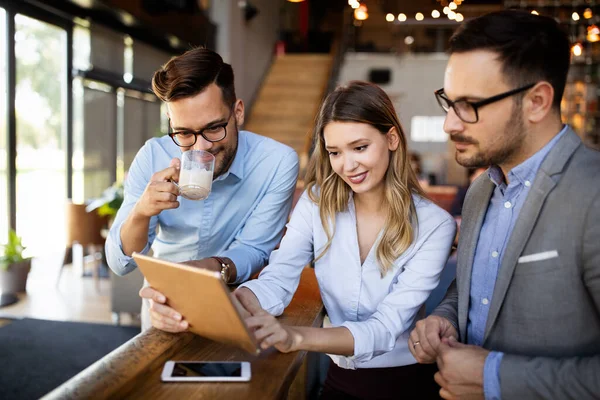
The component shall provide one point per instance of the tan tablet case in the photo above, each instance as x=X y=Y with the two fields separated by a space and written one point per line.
x=201 y=297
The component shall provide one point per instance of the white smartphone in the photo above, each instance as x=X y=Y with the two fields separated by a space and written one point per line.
x=206 y=371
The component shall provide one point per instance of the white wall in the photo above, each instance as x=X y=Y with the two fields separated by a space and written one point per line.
x=247 y=46
x=414 y=78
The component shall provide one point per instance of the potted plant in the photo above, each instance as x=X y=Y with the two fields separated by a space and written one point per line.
x=108 y=203
x=14 y=268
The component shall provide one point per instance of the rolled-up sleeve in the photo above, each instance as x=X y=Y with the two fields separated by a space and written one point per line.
x=278 y=282
x=491 y=376
x=262 y=231
x=138 y=177
x=396 y=313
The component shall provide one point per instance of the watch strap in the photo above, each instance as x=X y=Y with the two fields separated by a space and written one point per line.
x=225 y=269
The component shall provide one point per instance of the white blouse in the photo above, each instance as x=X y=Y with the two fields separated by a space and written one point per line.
x=379 y=312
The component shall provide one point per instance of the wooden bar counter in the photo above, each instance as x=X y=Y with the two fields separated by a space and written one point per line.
x=133 y=370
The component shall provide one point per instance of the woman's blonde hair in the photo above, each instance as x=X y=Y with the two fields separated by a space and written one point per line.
x=365 y=103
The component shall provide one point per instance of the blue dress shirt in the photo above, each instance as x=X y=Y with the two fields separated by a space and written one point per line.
x=242 y=218
x=380 y=312
x=502 y=213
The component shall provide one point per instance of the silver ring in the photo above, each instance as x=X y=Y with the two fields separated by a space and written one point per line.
x=415 y=344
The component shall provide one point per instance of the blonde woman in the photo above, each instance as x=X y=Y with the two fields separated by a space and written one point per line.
x=378 y=248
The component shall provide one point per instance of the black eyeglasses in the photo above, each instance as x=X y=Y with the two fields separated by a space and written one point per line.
x=467 y=110
x=188 y=138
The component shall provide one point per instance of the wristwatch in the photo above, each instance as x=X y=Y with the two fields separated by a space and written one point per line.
x=225 y=269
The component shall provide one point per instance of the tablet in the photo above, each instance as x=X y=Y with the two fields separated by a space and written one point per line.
x=202 y=298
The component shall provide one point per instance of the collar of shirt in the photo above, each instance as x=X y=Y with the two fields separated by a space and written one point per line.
x=525 y=172
x=237 y=166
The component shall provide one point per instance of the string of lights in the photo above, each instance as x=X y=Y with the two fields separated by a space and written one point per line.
x=580 y=17
x=449 y=9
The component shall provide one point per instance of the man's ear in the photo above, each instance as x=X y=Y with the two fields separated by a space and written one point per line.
x=538 y=102
x=393 y=139
x=239 y=111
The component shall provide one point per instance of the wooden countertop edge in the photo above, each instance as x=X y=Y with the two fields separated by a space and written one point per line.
x=295 y=366
x=113 y=373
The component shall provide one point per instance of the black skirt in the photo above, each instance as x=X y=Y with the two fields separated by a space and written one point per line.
x=407 y=382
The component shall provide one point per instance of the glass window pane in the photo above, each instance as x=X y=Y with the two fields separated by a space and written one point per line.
x=3 y=133
x=94 y=139
x=154 y=120
x=107 y=49
x=427 y=129
x=134 y=134
x=141 y=122
x=40 y=50
x=147 y=59
x=81 y=45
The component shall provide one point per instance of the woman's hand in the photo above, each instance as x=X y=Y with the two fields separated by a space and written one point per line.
x=247 y=301
x=269 y=332
x=266 y=328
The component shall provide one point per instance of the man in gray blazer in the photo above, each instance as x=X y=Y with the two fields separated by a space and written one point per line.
x=522 y=319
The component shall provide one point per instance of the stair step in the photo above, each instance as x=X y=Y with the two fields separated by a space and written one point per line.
x=286 y=104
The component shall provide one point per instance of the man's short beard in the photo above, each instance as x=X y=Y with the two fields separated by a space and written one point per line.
x=228 y=155
x=512 y=143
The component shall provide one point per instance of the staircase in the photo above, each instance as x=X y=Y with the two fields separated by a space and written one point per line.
x=289 y=98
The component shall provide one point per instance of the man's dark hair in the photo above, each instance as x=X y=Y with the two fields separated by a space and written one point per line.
x=531 y=48
x=190 y=73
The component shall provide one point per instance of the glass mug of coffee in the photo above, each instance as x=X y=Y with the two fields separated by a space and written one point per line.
x=196 y=174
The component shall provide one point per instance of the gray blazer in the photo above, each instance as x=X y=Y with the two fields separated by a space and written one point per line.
x=545 y=311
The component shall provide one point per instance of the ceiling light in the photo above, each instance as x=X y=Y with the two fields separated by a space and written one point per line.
x=435 y=14
x=593 y=34
x=575 y=16
x=127 y=18
x=401 y=17
x=459 y=17
x=174 y=41
x=452 y=6
x=535 y=12
x=446 y=10
x=419 y=17
x=361 y=13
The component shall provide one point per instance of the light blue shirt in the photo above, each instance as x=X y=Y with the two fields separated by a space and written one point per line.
x=502 y=213
x=242 y=218
x=379 y=311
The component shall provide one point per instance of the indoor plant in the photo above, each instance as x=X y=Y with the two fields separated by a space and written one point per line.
x=14 y=268
x=109 y=202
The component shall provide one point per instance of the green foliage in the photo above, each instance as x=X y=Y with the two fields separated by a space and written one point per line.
x=12 y=251
x=109 y=202
x=40 y=51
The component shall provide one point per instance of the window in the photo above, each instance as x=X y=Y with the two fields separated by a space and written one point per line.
x=40 y=104
x=94 y=138
x=3 y=132
x=112 y=118
x=428 y=129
